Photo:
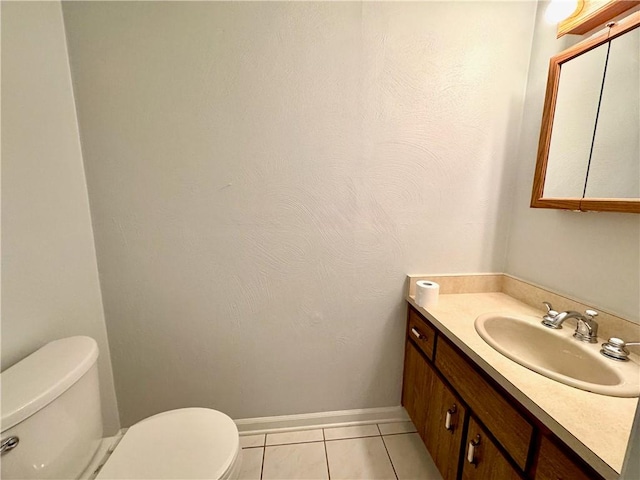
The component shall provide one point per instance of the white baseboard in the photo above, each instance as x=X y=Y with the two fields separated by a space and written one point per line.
x=306 y=421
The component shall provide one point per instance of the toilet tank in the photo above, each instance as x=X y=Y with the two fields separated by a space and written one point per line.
x=51 y=403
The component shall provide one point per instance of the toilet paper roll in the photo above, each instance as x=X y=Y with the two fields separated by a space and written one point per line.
x=427 y=293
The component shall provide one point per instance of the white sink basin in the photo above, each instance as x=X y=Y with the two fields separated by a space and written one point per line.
x=557 y=355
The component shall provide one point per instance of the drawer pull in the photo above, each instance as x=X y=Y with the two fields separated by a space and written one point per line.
x=472 y=450
x=417 y=334
x=447 y=420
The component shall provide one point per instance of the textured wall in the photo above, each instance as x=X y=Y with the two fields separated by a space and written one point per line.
x=592 y=256
x=50 y=286
x=263 y=176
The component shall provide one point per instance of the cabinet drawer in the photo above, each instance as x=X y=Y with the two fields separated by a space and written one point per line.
x=511 y=430
x=554 y=464
x=421 y=333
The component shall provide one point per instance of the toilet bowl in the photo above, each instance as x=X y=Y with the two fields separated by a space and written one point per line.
x=52 y=426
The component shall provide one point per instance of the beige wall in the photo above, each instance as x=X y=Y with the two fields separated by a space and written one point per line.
x=263 y=175
x=50 y=286
x=592 y=256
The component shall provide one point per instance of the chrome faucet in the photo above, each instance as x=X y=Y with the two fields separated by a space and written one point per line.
x=587 y=328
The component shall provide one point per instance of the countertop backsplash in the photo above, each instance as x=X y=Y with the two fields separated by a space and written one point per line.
x=610 y=325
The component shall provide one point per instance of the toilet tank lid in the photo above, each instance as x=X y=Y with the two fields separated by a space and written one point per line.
x=40 y=378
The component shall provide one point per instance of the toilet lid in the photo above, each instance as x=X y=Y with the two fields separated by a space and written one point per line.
x=179 y=444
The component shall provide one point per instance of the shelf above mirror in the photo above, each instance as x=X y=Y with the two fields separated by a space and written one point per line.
x=591 y=14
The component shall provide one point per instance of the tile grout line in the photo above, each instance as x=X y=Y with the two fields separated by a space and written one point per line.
x=398 y=433
x=325 y=439
x=326 y=455
x=264 y=454
x=357 y=436
x=294 y=443
x=387 y=450
x=349 y=438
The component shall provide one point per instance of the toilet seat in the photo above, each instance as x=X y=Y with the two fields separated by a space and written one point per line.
x=188 y=443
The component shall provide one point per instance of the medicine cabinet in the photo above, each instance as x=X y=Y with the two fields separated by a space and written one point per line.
x=589 y=149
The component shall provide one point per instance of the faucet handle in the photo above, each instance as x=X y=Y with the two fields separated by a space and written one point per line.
x=550 y=316
x=550 y=311
x=590 y=314
x=616 y=349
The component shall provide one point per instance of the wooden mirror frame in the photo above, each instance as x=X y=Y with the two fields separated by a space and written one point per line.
x=629 y=205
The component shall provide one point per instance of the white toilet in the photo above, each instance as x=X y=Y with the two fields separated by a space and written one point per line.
x=52 y=426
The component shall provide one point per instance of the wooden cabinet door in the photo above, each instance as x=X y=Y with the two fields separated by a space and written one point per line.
x=482 y=459
x=508 y=426
x=416 y=385
x=554 y=464
x=443 y=432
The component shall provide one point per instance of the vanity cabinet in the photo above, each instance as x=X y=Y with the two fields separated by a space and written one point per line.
x=456 y=407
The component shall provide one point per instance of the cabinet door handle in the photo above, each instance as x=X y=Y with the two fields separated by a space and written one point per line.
x=447 y=420
x=417 y=334
x=472 y=450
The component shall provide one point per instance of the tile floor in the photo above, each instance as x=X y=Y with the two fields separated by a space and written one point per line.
x=363 y=452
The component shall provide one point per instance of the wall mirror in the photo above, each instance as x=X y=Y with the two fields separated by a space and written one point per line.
x=589 y=149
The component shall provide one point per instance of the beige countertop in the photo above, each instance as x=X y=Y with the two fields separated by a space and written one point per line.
x=596 y=426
